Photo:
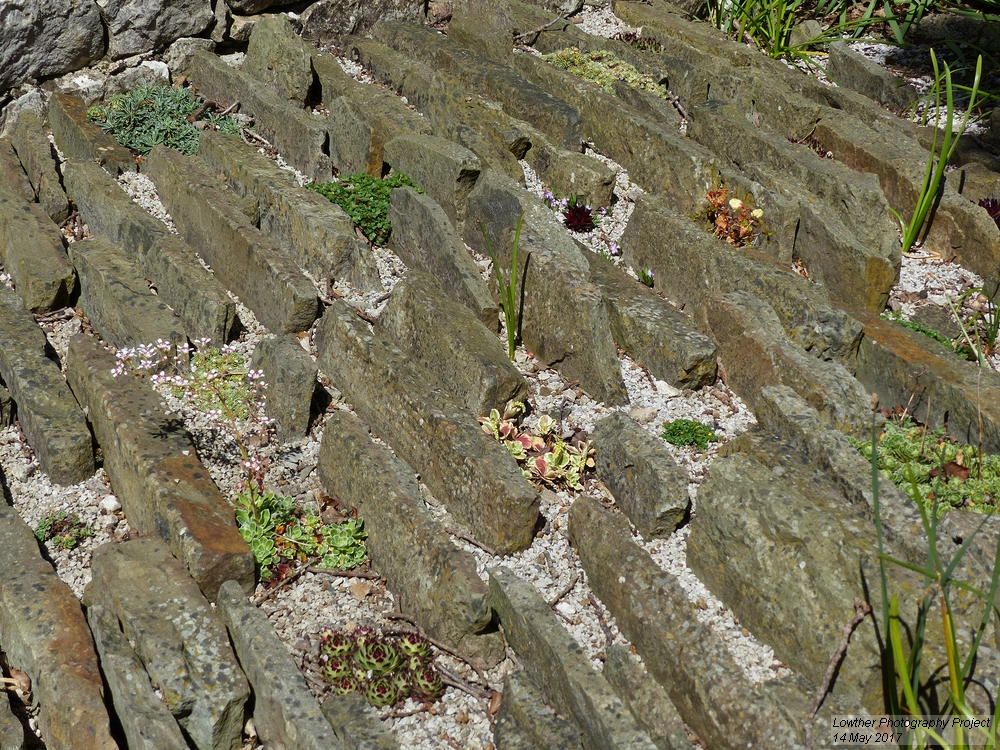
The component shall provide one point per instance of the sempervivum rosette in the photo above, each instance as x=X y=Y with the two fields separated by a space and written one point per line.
x=336 y=644
x=345 y=685
x=426 y=685
x=380 y=657
x=381 y=692
x=337 y=668
x=412 y=644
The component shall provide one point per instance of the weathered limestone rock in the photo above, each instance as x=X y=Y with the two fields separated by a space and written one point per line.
x=525 y=722
x=32 y=252
x=495 y=81
x=436 y=581
x=445 y=170
x=486 y=26
x=652 y=331
x=11 y=731
x=290 y=374
x=757 y=353
x=467 y=470
x=6 y=408
x=35 y=154
x=565 y=321
x=381 y=111
x=51 y=419
x=260 y=273
x=136 y=26
x=326 y=20
x=570 y=172
x=155 y=470
x=648 y=485
x=181 y=642
x=277 y=57
x=12 y=175
x=558 y=665
x=855 y=71
x=904 y=366
x=285 y=712
x=45 y=39
x=424 y=238
x=44 y=633
x=115 y=297
x=179 y=54
x=646 y=699
x=710 y=692
x=449 y=346
x=302 y=138
x=144 y=718
x=78 y=138
x=690 y=265
x=409 y=77
x=316 y=230
x=356 y=724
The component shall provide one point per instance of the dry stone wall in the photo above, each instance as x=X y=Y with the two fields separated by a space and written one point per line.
x=782 y=527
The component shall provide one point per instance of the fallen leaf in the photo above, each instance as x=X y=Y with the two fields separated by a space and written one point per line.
x=360 y=590
x=955 y=471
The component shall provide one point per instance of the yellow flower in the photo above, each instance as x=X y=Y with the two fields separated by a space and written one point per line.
x=757 y=213
x=736 y=204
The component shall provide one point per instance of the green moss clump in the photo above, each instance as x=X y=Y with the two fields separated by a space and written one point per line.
x=366 y=200
x=929 y=466
x=688 y=432
x=604 y=68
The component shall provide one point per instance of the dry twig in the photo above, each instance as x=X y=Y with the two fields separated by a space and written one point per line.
x=565 y=590
x=465 y=536
x=536 y=32
x=605 y=628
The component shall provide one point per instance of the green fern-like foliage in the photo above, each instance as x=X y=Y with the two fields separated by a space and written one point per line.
x=366 y=200
x=687 y=432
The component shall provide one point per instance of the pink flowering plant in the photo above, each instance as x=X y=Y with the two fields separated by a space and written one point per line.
x=216 y=382
x=581 y=218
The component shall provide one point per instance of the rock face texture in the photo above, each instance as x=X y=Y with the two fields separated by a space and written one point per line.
x=46 y=39
x=136 y=26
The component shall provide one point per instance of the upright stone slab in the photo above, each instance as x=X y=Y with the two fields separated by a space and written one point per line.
x=436 y=581
x=445 y=170
x=424 y=238
x=648 y=485
x=260 y=273
x=558 y=665
x=565 y=322
x=285 y=712
x=757 y=354
x=49 y=415
x=180 y=640
x=855 y=71
x=570 y=172
x=710 y=692
x=466 y=469
x=134 y=27
x=6 y=408
x=44 y=633
x=356 y=724
x=524 y=721
x=278 y=58
x=652 y=330
x=290 y=374
x=116 y=298
x=155 y=470
x=35 y=153
x=450 y=347
x=32 y=252
x=410 y=78
x=11 y=731
x=317 y=231
x=144 y=718
x=79 y=138
x=486 y=26
x=12 y=173
x=690 y=265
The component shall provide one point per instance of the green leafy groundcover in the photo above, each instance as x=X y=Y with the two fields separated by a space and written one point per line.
x=156 y=113
x=688 y=432
x=604 y=69
x=930 y=466
x=366 y=200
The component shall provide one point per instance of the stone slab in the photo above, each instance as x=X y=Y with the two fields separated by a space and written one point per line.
x=317 y=231
x=446 y=171
x=302 y=138
x=290 y=374
x=559 y=666
x=44 y=633
x=690 y=265
x=49 y=415
x=116 y=298
x=79 y=138
x=412 y=79
x=757 y=353
x=652 y=330
x=182 y=643
x=648 y=485
x=35 y=154
x=32 y=252
x=565 y=322
x=709 y=690
x=855 y=71
x=424 y=238
x=12 y=173
x=356 y=724
x=449 y=346
x=261 y=274
x=11 y=731
x=144 y=718
x=524 y=721
x=646 y=699
x=133 y=26
x=155 y=470
x=285 y=712
x=327 y=21
x=472 y=474
x=486 y=26
x=278 y=58
x=569 y=173
x=7 y=415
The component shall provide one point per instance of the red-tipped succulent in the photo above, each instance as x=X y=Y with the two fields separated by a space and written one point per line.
x=992 y=206
x=578 y=217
